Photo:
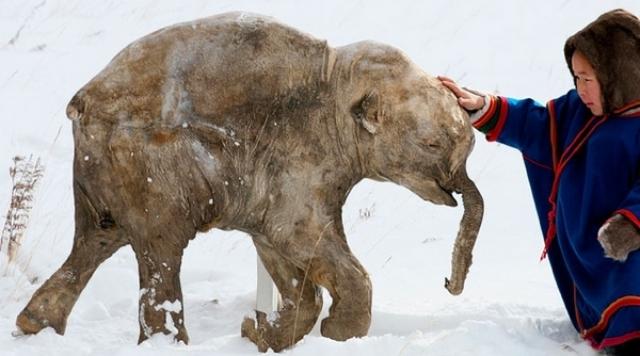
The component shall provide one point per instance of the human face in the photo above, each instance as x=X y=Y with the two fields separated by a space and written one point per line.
x=587 y=83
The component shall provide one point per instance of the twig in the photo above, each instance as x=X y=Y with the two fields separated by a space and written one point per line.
x=25 y=174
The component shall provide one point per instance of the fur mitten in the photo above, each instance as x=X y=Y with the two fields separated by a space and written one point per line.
x=619 y=237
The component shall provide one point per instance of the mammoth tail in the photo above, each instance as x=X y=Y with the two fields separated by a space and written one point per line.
x=76 y=107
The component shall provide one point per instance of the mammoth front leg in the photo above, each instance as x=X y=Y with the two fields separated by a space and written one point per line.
x=301 y=304
x=161 y=309
x=350 y=288
x=332 y=265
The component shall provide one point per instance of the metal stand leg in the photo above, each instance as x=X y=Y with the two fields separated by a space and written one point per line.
x=267 y=296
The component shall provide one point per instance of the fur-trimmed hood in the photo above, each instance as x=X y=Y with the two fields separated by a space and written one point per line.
x=611 y=44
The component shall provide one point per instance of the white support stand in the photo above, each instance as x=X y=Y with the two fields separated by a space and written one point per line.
x=267 y=296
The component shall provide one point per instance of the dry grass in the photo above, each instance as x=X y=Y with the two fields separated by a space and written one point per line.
x=25 y=174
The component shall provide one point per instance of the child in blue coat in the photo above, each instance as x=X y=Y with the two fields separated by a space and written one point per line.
x=582 y=156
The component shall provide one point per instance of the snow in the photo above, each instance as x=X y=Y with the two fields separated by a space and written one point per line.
x=174 y=307
x=510 y=306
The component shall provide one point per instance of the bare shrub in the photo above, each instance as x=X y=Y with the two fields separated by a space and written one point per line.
x=25 y=174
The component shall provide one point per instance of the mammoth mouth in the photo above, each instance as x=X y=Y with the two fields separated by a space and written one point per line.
x=431 y=190
x=447 y=194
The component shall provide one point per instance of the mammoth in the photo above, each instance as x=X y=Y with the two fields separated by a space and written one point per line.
x=238 y=122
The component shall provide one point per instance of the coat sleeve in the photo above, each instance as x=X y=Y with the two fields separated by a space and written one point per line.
x=630 y=207
x=522 y=124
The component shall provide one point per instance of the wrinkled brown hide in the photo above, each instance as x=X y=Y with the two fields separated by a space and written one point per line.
x=239 y=122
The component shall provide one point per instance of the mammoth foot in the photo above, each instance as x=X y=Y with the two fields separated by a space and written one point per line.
x=180 y=336
x=267 y=334
x=29 y=322
x=340 y=329
x=49 y=307
x=257 y=336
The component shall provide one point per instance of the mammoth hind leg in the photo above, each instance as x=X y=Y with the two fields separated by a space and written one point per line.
x=52 y=302
x=161 y=307
x=97 y=236
x=301 y=305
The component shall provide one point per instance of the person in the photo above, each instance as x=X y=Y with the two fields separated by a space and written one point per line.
x=582 y=157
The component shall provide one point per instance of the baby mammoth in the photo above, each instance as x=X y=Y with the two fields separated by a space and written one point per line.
x=238 y=122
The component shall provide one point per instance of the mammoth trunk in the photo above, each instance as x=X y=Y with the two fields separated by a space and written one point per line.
x=469 y=226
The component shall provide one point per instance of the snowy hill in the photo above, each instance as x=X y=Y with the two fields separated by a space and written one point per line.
x=49 y=49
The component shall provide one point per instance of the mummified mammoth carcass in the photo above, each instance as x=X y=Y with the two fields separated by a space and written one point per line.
x=239 y=122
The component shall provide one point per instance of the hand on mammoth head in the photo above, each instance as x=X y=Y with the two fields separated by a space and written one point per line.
x=468 y=100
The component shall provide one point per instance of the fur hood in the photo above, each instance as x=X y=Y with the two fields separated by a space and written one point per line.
x=611 y=44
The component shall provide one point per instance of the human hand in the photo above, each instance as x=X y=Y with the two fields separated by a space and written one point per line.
x=619 y=237
x=468 y=100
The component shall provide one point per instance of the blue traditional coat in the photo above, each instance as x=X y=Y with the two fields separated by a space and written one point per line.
x=582 y=170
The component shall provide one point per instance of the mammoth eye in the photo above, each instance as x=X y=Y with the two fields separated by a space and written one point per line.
x=431 y=146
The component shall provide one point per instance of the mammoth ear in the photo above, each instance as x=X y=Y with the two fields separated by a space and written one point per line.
x=367 y=112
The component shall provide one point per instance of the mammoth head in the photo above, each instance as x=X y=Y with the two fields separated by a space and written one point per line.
x=416 y=135
x=412 y=132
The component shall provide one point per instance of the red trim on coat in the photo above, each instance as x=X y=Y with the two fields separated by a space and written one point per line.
x=551 y=214
x=627 y=301
x=502 y=119
x=487 y=115
x=627 y=106
x=568 y=153
x=614 y=341
x=553 y=133
x=604 y=321
x=580 y=139
x=534 y=162
x=630 y=216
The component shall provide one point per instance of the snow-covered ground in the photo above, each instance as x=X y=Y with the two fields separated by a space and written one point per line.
x=49 y=49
